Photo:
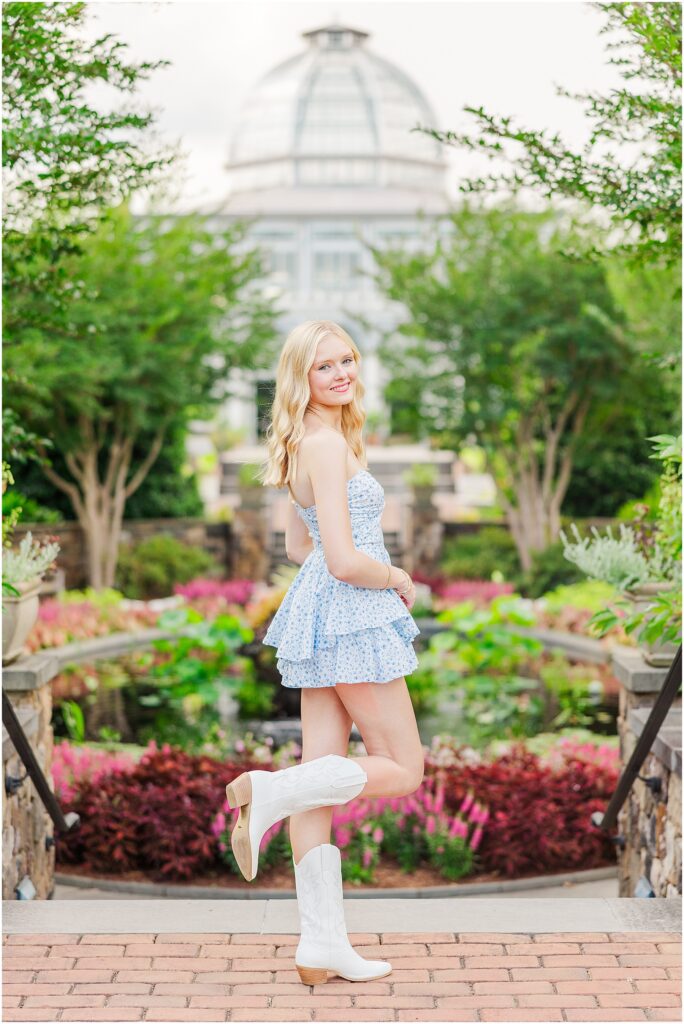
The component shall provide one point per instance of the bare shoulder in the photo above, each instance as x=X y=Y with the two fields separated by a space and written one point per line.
x=324 y=451
x=323 y=445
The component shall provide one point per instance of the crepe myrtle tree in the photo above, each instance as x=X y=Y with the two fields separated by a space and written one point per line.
x=512 y=344
x=161 y=310
x=631 y=164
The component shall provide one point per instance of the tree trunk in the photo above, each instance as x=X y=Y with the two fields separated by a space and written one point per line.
x=534 y=515
x=99 y=505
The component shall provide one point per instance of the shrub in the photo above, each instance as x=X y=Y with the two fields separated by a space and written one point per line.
x=477 y=556
x=155 y=818
x=411 y=830
x=550 y=569
x=500 y=675
x=204 y=660
x=217 y=597
x=424 y=687
x=151 y=568
x=540 y=819
x=13 y=502
x=587 y=595
x=570 y=607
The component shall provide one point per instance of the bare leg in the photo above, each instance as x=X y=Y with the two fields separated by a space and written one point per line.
x=325 y=730
x=384 y=715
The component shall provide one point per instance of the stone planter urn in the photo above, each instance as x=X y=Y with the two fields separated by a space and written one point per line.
x=658 y=654
x=19 y=617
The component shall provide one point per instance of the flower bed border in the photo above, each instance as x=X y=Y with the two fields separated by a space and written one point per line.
x=426 y=892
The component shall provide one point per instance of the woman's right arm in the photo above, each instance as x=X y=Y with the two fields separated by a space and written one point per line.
x=328 y=476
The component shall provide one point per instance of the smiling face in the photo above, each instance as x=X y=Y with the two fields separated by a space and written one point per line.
x=333 y=368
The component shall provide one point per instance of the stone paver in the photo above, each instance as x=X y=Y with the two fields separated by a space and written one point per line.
x=436 y=976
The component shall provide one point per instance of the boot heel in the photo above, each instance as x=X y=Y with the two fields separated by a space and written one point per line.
x=239 y=791
x=312 y=975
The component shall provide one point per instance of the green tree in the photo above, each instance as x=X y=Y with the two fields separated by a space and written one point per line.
x=162 y=309
x=653 y=310
x=64 y=162
x=631 y=165
x=616 y=464
x=513 y=345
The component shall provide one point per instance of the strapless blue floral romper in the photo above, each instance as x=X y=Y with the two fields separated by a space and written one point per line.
x=327 y=631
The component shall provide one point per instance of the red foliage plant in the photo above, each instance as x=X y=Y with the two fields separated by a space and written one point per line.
x=155 y=818
x=539 y=820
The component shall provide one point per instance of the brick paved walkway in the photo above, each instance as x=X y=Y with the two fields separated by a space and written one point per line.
x=437 y=976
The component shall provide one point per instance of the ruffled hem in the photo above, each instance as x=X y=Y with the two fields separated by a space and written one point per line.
x=375 y=655
x=319 y=610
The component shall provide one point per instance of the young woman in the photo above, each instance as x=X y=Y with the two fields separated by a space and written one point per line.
x=343 y=634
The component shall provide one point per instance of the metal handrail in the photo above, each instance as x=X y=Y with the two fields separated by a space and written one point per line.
x=663 y=703
x=63 y=822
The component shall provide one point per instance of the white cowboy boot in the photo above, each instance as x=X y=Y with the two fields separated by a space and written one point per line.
x=324 y=946
x=266 y=797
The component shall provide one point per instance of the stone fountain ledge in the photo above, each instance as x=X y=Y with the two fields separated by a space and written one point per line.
x=465 y=890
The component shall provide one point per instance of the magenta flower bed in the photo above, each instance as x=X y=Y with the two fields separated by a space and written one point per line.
x=232 y=591
x=480 y=591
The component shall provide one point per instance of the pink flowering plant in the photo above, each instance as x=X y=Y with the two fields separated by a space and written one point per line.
x=74 y=766
x=412 y=830
x=480 y=592
x=232 y=591
x=216 y=597
x=85 y=614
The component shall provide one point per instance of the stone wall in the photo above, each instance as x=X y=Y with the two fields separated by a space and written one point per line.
x=650 y=821
x=251 y=556
x=27 y=828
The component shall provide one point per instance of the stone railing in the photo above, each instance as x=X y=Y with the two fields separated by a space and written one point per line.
x=27 y=828
x=27 y=843
x=651 y=818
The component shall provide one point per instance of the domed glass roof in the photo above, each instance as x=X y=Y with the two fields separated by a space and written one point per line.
x=336 y=114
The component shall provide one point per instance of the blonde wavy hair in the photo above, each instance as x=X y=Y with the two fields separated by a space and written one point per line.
x=292 y=396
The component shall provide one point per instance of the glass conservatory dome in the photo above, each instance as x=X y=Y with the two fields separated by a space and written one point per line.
x=335 y=115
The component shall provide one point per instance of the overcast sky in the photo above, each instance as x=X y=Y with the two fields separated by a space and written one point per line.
x=505 y=56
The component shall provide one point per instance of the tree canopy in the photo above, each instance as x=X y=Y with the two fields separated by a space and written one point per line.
x=509 y=343
x=162 y=309
x=631 y=165
x=64 y=161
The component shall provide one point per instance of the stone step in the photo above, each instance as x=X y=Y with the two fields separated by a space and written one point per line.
x=527 y=914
